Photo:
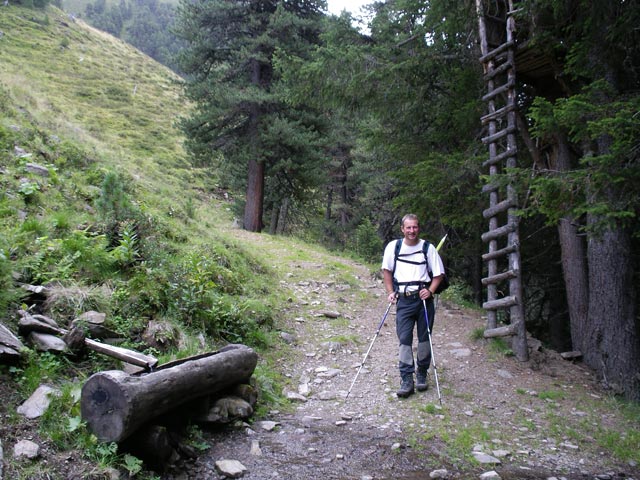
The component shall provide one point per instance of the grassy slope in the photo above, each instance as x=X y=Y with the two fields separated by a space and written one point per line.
x=84 y=86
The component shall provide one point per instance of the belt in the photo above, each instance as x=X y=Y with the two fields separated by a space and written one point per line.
x=410 y=294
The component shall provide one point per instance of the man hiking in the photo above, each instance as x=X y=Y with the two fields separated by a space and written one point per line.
x=412 y=274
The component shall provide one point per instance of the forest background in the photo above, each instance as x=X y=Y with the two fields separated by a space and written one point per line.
x=316 y=129
x=333 y=134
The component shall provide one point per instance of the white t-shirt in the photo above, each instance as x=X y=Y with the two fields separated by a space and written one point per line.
x=408 y=272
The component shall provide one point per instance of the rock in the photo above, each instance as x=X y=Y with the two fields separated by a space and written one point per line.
x=288 y=338
x=226 y=410
x=493 y=475
x=10 y=346
x=294 y=396
x=329 y=314
x=160 y=335
x=26 y=448
x=484 y=458
x=504 y=374
x=230 y=468
x=440 y=473
x=330 y=373
x=46 y=342
x=38 y=402
x=266 y=425
x=325 y=395
x=255 y=448
x=461 y=352
x=37 y=169
x=92 y=316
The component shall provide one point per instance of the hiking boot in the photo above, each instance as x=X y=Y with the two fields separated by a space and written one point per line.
x=406 y=387
x=422 y=381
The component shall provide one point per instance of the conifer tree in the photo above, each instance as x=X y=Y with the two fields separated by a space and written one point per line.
x=240 y=112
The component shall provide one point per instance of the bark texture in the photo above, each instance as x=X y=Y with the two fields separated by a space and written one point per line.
x=115 y=404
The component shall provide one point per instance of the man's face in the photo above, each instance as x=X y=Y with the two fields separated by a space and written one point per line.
x=410 y=230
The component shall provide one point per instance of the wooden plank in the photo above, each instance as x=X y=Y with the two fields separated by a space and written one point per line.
x=501 y=134
x=495 y=52
x=500 y=157
x=506 y=331
x=499 y=232
x=498 y=91
x=500 y=277
x=497 y=114
x=498 y=70
x=503 y=206
x=505 y=302
x=500 y=253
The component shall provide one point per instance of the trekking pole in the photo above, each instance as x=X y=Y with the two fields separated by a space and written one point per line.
x=433 y=357
x=384 y=317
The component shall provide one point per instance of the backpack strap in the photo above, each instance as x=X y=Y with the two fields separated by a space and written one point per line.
x=397 y=257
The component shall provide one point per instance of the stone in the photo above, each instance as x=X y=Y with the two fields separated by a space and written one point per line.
x=440 y=473
x=294 y=396
x=491 y=475
x=461 y=352
x=325 y=395
x=38 y=402
x=26 y=448
x=227 y=409
x=486 y=459
x=255 y=448
x=37 y=169
x=45 y=342
x=230 y=468
x=330 y=373
x=267 y=425
x=288 y=338
x=92 y=316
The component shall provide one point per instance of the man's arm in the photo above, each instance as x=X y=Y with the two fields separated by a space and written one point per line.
x=388 y=285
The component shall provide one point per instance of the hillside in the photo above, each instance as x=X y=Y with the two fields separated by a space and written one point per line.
x=121 y=223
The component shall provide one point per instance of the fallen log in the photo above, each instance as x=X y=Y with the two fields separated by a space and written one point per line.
x=115 y=404
x=30 y=323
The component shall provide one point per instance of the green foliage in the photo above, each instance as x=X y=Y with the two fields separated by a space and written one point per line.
x=36 y=369
x=366 y=242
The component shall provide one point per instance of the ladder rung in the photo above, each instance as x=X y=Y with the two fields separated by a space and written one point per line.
x=497 y=51
x=505 y=302
x=500 y=277
x=499 y=232
x=500 y=253
x=497 y=136
x=497 y=91
x=500 y=207
x=492 y=73
x=490 y=187
x=500 y=157
x=497 y=114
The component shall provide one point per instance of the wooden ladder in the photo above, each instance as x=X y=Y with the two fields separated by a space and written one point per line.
x=503 y=280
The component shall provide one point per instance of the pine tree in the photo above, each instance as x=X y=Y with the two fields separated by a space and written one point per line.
x=240 y=111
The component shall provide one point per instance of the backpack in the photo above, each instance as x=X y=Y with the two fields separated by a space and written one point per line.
x=444 y=283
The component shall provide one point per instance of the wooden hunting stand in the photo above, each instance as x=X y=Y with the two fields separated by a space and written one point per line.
x=503 y=280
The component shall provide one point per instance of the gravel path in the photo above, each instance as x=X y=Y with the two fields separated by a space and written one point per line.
x=532 y=420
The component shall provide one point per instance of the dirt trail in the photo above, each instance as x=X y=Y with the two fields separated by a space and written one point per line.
x=537 y=418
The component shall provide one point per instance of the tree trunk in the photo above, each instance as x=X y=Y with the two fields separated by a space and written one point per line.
x=574 y=258
x=115 y=404
x=282 y=217
x=613 y=338
x=255 y=171
x=612 y=342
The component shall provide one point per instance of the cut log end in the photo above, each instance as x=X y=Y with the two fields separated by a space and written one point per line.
x=105 y=406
